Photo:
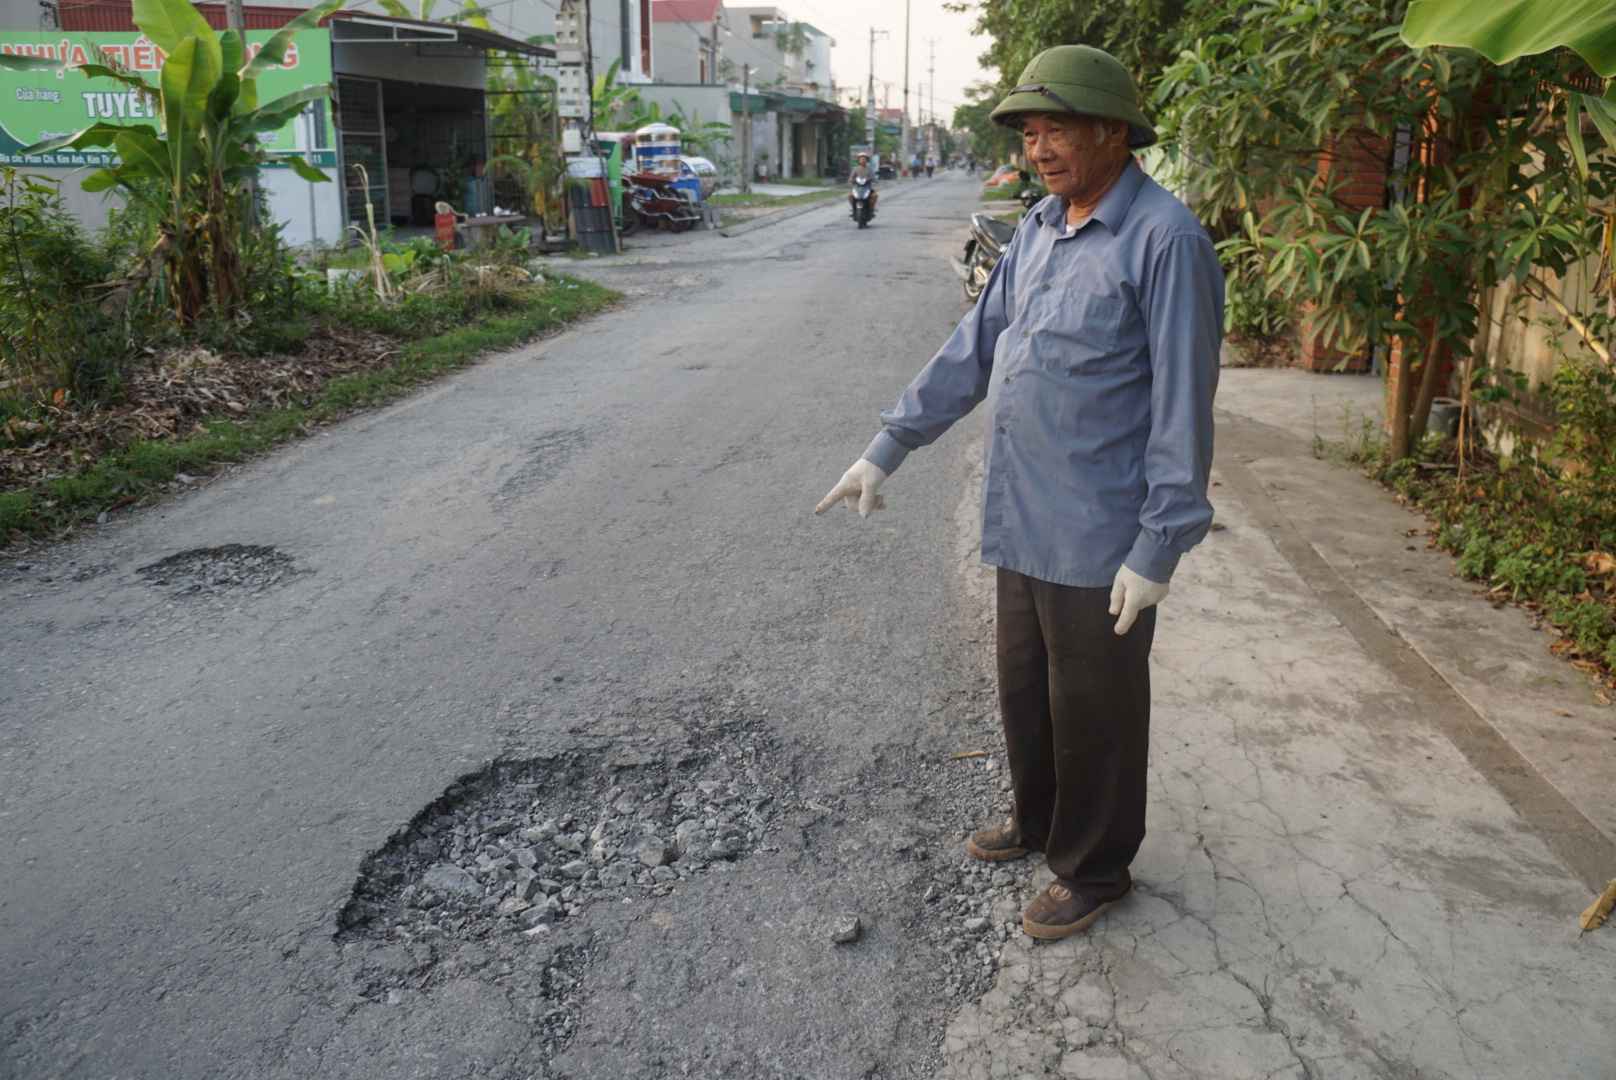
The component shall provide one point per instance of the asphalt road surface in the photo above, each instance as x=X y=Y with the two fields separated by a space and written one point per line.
x=601 y=541
x=535 y=728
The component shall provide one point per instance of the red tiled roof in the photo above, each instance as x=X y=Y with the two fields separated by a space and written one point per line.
x=700 y=12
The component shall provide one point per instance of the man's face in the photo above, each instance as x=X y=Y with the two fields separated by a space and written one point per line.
x=1074 y=155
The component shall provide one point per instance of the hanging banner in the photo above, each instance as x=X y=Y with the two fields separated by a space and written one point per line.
x=40 y=105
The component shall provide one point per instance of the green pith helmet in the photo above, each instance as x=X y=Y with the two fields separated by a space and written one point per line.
x=1077 y=79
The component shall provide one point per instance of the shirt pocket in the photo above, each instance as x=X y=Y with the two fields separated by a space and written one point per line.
x=1100 y=319
x=1087 y=335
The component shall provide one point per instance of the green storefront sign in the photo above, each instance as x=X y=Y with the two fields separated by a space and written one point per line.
x=38 y=105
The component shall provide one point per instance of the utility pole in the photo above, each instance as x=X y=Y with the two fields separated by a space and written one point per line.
x=903 y=146
x=746 y=128
x=869 y=98
x=623 y=16
x=712 y=47
x=931 y=74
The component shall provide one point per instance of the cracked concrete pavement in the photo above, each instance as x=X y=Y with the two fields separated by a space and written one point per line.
x=1349 y=872
x=1377 y=802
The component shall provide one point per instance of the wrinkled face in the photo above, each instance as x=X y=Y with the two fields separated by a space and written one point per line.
x=1075 y=156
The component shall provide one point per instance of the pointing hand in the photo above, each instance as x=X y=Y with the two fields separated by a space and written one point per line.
x=858 y=488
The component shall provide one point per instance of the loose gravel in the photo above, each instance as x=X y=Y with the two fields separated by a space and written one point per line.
x=227 y=570
x=501 y=878
x=498 y=876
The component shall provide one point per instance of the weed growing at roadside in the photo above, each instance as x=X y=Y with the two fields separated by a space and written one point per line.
x=1538 y=529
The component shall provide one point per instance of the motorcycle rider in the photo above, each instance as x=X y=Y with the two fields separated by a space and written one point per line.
x=862 y=172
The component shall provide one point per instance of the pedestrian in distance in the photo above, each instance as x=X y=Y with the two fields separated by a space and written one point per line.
x=1095 y=344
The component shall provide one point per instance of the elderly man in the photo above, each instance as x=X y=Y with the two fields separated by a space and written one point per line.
x=1095 y=344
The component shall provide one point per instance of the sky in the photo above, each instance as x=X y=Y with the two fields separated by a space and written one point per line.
x=849 y=22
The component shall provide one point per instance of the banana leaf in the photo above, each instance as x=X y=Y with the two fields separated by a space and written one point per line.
x=28 y=63
x=226 y=92
x=101 y=71
x=232 y=51
x=97 y=134
x=1502 y=30
x=142 y=154
x=189 y=76
x=102 y=180
x=169 y=22
x=304 y=169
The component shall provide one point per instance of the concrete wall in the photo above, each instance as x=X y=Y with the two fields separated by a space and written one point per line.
x=23 y=15
x=528 y=18
x=816 y=65
x=770 y=67
x=678 y=53
x=1525 y=335
x=90 y=209
x=309 y=213
x=289 y=197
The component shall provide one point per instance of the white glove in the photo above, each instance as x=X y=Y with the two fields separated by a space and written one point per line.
x=1131 y=594
x=857 y=487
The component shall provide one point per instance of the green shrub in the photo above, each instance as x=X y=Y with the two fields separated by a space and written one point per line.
x=1477 y=559
x=1250 y=311
x=54 y=334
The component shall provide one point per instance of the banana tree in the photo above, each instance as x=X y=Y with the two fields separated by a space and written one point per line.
x=192 y=171
x=1505 y=30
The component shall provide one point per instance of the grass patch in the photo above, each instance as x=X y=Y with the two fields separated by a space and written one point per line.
x=737 y=200
x=144 y=468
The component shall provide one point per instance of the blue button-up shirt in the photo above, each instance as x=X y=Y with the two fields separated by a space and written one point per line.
x=1097 y=351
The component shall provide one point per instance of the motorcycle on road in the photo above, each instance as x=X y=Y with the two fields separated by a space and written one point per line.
x=861 y=198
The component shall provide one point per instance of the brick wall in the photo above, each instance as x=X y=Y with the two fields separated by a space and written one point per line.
x=1356 y=167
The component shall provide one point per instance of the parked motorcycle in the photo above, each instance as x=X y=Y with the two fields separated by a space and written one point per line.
x=989 y=237
x=863 y=202
x=654 y=202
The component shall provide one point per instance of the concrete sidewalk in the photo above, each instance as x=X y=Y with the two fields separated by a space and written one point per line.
x=1378 y=805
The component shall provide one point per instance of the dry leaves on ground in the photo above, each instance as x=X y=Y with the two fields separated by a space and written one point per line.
x=1598 y=911
x=172 y=394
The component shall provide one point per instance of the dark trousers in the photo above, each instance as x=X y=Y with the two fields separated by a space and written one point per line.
x=1075 y=700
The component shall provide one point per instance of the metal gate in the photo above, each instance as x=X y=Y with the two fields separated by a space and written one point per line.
x=362 y=123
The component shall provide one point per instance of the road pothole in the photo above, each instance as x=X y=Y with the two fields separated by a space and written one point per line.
x=496 y=879
x=229 y=569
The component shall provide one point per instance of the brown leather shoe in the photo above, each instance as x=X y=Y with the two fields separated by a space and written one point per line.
x=1064 y=909
x=996 y=843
